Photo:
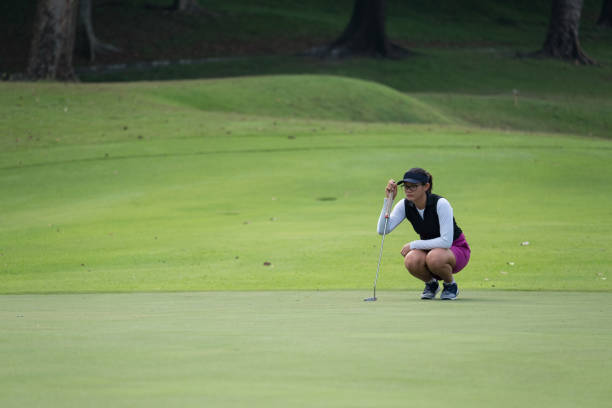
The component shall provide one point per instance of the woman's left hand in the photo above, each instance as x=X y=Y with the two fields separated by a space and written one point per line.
x=406 y=249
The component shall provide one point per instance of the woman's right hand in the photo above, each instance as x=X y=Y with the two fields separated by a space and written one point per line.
x=391 y=189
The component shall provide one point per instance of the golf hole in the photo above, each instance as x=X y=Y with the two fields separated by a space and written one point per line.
x=326 y=198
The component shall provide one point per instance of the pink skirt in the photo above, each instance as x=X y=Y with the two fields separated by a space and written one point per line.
x=462 y=252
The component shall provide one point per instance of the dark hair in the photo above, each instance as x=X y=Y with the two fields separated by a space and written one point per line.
x=423 y=171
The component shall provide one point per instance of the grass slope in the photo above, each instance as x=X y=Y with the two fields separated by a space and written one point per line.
x=305 y=349
x=304 y=96
x=58 y=115
x=155 y=186
x=476 y=86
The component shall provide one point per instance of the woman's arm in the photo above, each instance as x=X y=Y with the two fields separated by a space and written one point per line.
x=395 y=218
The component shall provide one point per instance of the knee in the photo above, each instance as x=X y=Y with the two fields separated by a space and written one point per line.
x=414 y=262
x=436 y=260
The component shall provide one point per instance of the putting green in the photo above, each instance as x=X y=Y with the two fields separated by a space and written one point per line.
x=305 y=348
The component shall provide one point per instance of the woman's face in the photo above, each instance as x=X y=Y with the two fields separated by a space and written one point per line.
x=415 y=191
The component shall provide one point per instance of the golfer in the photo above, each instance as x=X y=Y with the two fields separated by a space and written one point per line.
x=442 y=250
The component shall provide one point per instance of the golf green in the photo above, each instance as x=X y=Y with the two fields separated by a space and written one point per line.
x=306 y=348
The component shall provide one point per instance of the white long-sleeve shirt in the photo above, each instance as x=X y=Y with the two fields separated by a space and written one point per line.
x=445 y=216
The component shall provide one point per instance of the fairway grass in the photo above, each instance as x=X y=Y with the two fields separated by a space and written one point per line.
x=305 y=349
x=162 y=187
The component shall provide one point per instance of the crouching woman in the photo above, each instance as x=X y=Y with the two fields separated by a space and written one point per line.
x=442 y=250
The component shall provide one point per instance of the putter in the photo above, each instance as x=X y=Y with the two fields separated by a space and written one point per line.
x=387 y=211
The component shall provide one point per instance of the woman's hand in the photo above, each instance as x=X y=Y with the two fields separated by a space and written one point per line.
x=391 y=189
x=406 y=249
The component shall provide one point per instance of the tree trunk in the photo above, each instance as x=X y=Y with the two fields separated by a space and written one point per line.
x=605 y=19
x=53 y=40
x=93 y=44
x=562 y=38
x=365 y=34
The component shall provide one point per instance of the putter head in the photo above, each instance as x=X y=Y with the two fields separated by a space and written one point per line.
x=370 y=299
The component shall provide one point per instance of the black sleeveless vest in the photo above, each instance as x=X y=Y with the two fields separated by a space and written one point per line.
x=429 y=226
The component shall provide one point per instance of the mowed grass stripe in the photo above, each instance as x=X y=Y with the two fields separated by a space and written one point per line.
x=305 y=349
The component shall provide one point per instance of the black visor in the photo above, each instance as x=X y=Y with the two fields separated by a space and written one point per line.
x=416 y=178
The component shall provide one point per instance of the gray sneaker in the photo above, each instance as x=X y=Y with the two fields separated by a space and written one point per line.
x=430 y=290
x=450 y=291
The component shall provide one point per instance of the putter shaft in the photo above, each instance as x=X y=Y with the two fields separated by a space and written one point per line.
x=382 y=244
x=387 y=211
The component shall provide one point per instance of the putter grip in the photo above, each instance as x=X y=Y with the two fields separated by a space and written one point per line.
x=388 y=205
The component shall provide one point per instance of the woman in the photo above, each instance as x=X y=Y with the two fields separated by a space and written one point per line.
x=442 y=250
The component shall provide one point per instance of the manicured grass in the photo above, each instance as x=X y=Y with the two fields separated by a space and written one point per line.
x=473 y=86
x=152 y=186
x=257 y=197
x=304 y=349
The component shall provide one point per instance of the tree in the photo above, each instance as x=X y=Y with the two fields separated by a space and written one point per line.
x=562 y=37
x=53 y=40
x=605 y=19
x=94 y=45
x=365 y=34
